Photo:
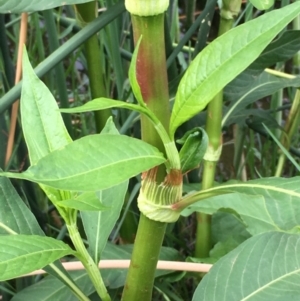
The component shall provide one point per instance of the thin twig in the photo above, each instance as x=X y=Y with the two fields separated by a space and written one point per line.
x=124 y=264
x=15 y=108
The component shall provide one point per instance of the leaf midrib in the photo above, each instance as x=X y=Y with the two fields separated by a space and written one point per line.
x=92 y=170
x=251 y=185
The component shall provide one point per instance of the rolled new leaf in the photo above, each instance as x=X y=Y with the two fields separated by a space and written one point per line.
x=195 y=143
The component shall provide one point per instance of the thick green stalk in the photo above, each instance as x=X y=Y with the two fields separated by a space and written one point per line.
x=213 y=128
x=203 y=243
x=140 y=277
x=152 y=78
x=86 y=14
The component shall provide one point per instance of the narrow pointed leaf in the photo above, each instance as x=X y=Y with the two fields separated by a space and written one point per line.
x=93 y=163
x=133 y=76
x=102 y=104
x=42 y=124
x=15 y=6
x=98 y=225
x=265 y=267
x=222 y=60
x=21 y=254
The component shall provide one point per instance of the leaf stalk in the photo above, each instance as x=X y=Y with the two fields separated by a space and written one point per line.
x=87 y=261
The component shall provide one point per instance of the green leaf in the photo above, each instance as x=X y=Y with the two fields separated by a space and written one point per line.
x=110 y=127
x=250 y=208
x=133 y=76
x=14 y=6
x=15 y=216
x=87 y=201
x=98 y=225
x=227 y=233
x=50 y=289
x=93 y=163
x=39 y=111
x=263 y=205
x=42 y=124
x=280 y=50
x=265 y=267
x=102 y=104
x=254 y=83
x=247 y=88
x=21 y=254
x=262 y=4
x=222 y=60
x=195 y=143
x=283 y=149
x=253 y=118
x=226 y=225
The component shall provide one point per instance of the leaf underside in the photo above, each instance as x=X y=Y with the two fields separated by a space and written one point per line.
x=265 y=267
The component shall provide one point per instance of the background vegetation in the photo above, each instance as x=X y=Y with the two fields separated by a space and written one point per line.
x=260 y=113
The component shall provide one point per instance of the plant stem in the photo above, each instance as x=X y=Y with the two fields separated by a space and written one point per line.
x=190 y=11
x=239 y=133
x=152 y=78
x=140 y=278
x=213 y=128
x=87 y=13
x=87 y=261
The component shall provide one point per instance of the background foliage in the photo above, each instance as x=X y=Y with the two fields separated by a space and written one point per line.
x=57 y=45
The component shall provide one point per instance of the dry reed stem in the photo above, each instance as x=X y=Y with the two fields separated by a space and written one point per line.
x=15 y=107
x=124 y=264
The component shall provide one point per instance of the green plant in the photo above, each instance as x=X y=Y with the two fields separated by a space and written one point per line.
x=89 y=176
